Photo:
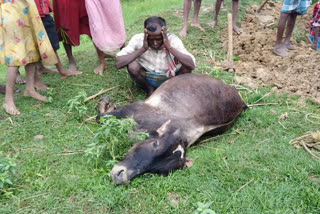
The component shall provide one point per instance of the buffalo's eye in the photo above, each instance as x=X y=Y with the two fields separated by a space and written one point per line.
x=155 y=144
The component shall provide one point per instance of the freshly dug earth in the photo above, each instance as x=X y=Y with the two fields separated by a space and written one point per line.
x=297 y=74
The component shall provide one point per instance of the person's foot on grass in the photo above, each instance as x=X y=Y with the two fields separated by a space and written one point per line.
x=183 y=32
x=44 y=70
x=19 y=79
x=99 y=69
x=213 y=23
x=10 y=108
x=197 y=25
x=40 y=86
x=68 y=74
x=280 y=51
x=34 y=94
x=3 y=89
x=72 y=67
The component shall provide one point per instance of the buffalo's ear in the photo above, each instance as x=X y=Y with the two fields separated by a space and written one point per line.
x=163 y=128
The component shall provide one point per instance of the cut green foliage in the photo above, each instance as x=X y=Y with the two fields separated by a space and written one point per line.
x=114 y=138
x=76 y=105
x=7 y=170
x=204 y=208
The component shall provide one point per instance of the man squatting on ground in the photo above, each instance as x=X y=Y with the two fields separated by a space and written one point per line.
x=154 y=56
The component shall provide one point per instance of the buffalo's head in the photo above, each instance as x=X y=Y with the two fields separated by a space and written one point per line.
x=161 y=155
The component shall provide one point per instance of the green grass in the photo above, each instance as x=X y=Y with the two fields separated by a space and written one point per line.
x=249 y=169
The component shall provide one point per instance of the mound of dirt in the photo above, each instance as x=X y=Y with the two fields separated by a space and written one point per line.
x=297 y=74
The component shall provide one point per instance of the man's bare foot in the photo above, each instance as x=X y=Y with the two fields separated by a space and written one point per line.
x=280 y=51
x=72 y=67
x=99 y=69
x=213 y=23
x=197 y=25
x=40 y=86
x=290 y=47
x=183 y=32
x=44 y=70
x=11 y=108
x=68 y=74
x=20 y=80
x=237 y=30
x=106 y=55
x=34 y=94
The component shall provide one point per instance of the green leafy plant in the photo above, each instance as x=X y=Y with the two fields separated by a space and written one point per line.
x=7 y=169
x=77 y=105
x=113 y=139
x=50 y=93
x=215 y=71
x=204 y=208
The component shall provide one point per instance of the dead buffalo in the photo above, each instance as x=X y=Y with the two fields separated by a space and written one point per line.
x=175 y=116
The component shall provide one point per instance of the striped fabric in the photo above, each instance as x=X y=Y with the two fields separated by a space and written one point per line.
x=295 y=6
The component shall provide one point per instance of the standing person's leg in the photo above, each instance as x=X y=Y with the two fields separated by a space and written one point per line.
x=37 y=82
x=72 y=62
x=19 y=79
x=216 y=13
x=235 y=8
x=63 y=73
x=195 y=21
x=186 y=10
x=100 y=68
x=290 y=25
x=278 y=47
x=315 y=37
x=31 y=69
x=8 y=104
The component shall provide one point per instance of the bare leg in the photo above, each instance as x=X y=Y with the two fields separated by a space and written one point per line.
x=315 y=37
x=216 y=13
x=222 y=4
x=72 y=62
x=290 y=25
x=63 y=72
x=37 y=82
x=44 y=70
x=138 y=75
x=278 y=47
x=101 y=67
x=195 y=22
x=186 y=10
x=29 y=91
x=107 y=55
x=8 y=104
x=19 y=79
x=235 y=8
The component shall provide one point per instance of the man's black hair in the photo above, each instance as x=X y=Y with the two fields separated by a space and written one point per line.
x=152 y=22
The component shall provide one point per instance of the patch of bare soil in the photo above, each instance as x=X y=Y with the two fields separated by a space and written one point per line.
x=297 y=74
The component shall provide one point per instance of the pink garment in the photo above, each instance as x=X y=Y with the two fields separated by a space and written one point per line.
x=106 y=24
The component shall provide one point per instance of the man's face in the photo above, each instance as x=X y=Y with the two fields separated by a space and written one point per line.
x=155 y=39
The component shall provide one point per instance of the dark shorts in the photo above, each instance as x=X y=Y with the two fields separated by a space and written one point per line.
x=50 y=27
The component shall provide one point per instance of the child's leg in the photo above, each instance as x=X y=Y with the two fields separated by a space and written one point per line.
x=8 y=104
x=37 y=82
x=72 y=62
x=235 y=8
x=29 y=91
x=186 y=10
x=100 y=68
x=216 y=13
x=195 y=22
x=290 y=25
x=278 y=47
x=19 y=79
x=63 y=73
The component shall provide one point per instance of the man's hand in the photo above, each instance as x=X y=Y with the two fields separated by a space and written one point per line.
x=166 y=43
x=145 y=41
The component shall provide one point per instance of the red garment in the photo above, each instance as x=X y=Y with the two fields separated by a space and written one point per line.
x=315 y=18
x=44 y=7
x=71 y=20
